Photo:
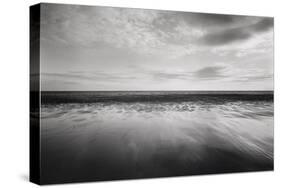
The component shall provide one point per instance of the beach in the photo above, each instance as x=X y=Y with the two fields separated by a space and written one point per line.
x=122 y=135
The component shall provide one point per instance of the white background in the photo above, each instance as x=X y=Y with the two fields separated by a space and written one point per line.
x=14 y=93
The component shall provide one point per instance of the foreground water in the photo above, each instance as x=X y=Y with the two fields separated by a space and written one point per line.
x=117 y=139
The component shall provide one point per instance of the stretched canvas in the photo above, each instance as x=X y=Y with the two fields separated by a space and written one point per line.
x=124 y=93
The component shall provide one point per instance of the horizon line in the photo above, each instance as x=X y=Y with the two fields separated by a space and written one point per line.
x=155 y=90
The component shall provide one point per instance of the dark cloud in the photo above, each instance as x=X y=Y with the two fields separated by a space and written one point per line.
x=263 y=25
x=218 y=19
x=212 y=72
x=226 y=36
x=167 y=20
x=237 y=34
x=207 y=21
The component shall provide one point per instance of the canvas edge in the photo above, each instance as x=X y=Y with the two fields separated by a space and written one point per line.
x=34 y=94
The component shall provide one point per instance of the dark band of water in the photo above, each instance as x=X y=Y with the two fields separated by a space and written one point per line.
x=53 y=97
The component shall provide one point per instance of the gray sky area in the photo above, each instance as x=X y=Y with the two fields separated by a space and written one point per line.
x=102 y=48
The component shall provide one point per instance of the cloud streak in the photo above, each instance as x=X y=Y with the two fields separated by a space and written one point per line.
x=237 y=34
x=210 y=72
x=88 y=76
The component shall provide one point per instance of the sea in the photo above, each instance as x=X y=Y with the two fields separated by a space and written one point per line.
x=112 y=135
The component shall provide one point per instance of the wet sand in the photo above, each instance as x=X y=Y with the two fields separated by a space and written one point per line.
x=128 y=140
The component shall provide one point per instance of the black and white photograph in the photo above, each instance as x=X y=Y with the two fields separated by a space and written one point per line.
x=129 y=93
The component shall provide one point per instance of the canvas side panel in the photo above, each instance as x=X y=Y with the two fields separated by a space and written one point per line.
x=34 y=163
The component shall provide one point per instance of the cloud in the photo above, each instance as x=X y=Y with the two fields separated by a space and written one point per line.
x=257 y=45
x=263 y=25
x=85 y=26
x=252 y=78
x=170 y=76
x=208 y=20
x=225 y=37
x=67 y=76
x=88 y=76
x=237 y=34
x=211 y=72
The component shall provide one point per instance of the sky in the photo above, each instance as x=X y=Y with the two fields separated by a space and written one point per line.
x=103 y=48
